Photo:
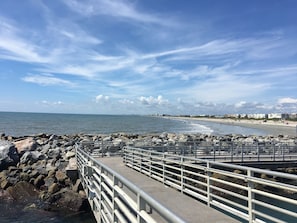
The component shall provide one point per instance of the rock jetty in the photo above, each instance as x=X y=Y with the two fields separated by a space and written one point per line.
x=33 y=169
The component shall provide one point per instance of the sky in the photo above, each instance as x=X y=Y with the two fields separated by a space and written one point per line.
x=173 y=57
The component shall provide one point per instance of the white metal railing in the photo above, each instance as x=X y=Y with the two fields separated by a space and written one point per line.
x=114 y=199
x=250 y=194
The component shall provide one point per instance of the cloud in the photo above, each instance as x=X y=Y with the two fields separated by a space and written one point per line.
x=47 y=80
x=54 y=103
x=240 y=104
x=14 y=47
x=153 y=101
x=116 y=8
x=78 y=36
x=101 y=98
x=287 y=101
x=126 y=102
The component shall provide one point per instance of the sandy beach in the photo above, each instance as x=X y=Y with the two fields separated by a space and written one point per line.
x=271 y=127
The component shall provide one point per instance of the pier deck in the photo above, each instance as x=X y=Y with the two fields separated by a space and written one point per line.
x=182 y=205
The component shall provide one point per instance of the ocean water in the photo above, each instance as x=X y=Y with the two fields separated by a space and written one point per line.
x=24 y=124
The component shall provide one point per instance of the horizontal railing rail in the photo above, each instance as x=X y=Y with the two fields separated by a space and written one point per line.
x=114 y=199
x=250 y=194
x=230 y=152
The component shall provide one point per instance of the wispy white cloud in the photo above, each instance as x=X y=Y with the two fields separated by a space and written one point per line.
x=13 y=47
x=47 y=80
x=52 y=103
x=118 y=8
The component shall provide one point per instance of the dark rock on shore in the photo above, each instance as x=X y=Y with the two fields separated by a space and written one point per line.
x=34 y=169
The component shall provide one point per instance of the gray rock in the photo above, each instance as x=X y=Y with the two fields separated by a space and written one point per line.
x=60 y=176
x=24 y=176
x=39 y=181
x=54 y=153
x=48 y=181
x=5 y=184
x=107 y=139
x=8 y=155
x=50 y=167
x=45 y=148
x=69 y=155
x=53 y=188
x=31 y=157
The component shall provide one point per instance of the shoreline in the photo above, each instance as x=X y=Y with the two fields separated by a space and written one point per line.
x=274 y=128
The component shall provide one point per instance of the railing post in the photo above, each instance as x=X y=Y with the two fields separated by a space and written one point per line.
x=102 y=149
x=140 y=164
x=182 y=174
x=258 y=152
x=195 y=149
x=140 y=207
x=251 y=195
x=242 y=153
x=114 y=195
x=232 y=148
x=124 y=155
x=208 y=172
x=273 y=151
x=150 y=164
x=163 y=167
x=101 y=189
x=133 y=158
x=283 y=151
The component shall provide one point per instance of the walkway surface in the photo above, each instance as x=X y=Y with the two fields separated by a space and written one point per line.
x=182 y=205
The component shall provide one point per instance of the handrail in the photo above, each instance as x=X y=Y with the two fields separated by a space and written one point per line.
x=246 y=192
x=110 y=196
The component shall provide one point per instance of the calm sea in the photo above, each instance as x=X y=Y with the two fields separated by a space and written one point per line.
x=23 y=124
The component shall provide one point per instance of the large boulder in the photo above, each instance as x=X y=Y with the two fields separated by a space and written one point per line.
x=8 y=155
x=23 y=192
x=68 y=200
x=28 y=144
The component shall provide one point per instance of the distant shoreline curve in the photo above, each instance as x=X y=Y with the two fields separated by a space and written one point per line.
x=271 y=127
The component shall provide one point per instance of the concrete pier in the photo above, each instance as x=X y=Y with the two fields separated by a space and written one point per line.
x=182 y=205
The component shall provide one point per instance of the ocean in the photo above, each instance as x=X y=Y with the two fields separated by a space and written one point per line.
x=24 y=124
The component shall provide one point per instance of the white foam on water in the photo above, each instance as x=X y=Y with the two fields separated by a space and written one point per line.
x=198 y=128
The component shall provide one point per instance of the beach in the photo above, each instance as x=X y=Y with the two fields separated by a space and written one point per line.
x=274 y=128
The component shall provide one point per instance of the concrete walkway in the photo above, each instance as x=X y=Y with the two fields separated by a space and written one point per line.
x=182 y=205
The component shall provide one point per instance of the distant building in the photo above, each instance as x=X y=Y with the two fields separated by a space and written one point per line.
x=257 y=116
x=274 y=116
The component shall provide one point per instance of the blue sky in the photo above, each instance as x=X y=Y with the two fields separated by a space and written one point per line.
x=147 y=57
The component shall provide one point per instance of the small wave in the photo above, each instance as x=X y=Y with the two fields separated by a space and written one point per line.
x=195 y=127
